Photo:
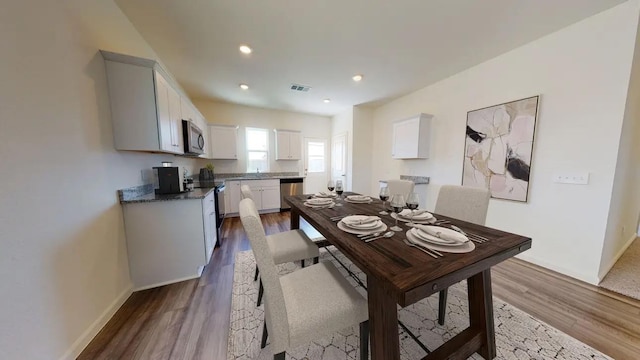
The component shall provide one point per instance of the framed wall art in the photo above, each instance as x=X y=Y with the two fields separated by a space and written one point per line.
x=498 y=148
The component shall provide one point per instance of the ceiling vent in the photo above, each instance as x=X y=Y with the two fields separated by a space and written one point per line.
x=298 y=87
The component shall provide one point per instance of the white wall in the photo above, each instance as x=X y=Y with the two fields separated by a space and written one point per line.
x=63 y=259
x=246 y=116
x=582 y=73
x=343 y=124
x=362 y=144
x=625 y=201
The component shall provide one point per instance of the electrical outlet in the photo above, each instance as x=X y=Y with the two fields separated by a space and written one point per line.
x=575 y=178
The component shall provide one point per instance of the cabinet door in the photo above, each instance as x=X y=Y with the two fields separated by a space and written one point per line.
x=208 y=240
x=233 y=191
x=295 y=146
x=256 y=191
x=405 y=142
x=223 y=141
x=175 y=112
x=270 y=198
x=282 y=145
x=164 y=117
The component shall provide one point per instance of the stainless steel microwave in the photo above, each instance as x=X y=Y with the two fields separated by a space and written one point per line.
x=193 y=139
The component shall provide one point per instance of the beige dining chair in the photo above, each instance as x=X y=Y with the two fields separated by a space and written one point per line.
x=304 y=305
x=402 y=187
x=463 y=203
x=286 y=246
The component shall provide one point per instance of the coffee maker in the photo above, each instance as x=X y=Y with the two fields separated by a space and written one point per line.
x=170 y=180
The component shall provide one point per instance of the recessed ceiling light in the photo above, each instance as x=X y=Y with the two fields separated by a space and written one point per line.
x=245 y=49
x=357 y=77
x=244 y=86
x=327 y=101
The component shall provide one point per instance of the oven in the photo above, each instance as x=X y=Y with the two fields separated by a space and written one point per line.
x=220 y=211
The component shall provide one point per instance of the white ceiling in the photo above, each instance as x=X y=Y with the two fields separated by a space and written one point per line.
x=399 y=46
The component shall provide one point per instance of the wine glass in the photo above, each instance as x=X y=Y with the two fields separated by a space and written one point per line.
x=339 y=190
x=330 y=186
x=384 y=196
x=397 y=204
x=413 y=201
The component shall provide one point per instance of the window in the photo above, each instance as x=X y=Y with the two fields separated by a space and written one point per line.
x=315 y=157
x=257 y=150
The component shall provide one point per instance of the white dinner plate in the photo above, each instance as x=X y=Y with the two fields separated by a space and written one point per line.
x=423 y=222
x=359 y=202
x=319 y=201
x=465 y=248
x=373 y=222
x=323 y=206
x=359 y=198
x=345 y=228
x=406 y=213
x=365 y=226
x=422 y=235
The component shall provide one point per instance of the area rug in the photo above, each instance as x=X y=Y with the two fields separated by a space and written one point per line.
x=518 y=335
x=624 y=276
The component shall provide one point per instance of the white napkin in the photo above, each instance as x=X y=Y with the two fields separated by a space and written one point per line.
x=360 y=220
x=359 y=197
x=443 y=233
x=417 y=214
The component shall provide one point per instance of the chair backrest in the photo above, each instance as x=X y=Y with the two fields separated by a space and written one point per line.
x=275 y=310
x=246 y=192
x=464 y=203
x=402 y=187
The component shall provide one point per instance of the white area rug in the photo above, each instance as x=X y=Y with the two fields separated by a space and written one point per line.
x=518 y=335
x=624 y=277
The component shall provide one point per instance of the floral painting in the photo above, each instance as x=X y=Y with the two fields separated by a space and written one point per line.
x=498 y=147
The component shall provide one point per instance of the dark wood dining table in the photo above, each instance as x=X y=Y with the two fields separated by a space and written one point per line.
x=399 y=274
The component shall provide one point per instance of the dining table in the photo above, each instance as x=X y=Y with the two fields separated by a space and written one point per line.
x=397 y=274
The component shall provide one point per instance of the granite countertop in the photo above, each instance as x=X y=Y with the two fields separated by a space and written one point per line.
x=145 y=193
x=418 y=180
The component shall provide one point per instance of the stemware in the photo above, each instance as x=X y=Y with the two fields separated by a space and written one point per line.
x=339 y=189
x=413 y=201
x=384 y=196
x=397 y=204
x=331 y=185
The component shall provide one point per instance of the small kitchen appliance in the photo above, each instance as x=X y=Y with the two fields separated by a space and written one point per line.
x=170 y=180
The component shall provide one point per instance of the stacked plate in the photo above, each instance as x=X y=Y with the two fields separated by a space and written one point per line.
x=324 y=194
x=361 y=224
x=319 y=203
x=439 y=238
x=419 y=216
x=358 y=199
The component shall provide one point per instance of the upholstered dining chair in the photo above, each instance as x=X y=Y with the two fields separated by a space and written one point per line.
x=463 y=203
x=286 y=246
x=306 y=304
x=402 y=187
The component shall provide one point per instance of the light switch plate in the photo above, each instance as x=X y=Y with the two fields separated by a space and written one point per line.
x=572 y=178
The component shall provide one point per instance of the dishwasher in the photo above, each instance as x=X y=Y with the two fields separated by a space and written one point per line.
x=289 y=187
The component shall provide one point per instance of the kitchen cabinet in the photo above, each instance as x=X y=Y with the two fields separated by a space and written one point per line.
x=146 y=107
x=234 y=195
x=223 y=142
x=169 y=241
x=288 y=145
x=265 y=192
x=411 y=137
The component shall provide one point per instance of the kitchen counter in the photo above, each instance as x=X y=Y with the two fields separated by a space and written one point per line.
x=145 y=193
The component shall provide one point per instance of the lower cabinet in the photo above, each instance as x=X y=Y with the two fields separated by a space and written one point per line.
x=266 y=194
x=169 y=241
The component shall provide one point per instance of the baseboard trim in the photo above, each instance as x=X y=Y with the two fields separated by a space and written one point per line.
x=615 y=259
x=570 y=273
x=81 y=343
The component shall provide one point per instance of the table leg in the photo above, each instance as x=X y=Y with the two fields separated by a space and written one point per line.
x=295 y=219
x=481 y=312
x=383 y=323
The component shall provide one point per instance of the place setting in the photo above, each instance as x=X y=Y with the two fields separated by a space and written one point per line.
x=319 y=203
x=367 y=228
x=359 y=199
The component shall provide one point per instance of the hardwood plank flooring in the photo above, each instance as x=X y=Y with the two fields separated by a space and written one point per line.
x=189 y=320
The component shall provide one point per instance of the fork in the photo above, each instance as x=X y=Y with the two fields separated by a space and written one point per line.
x=473 y=237
x=428 y=252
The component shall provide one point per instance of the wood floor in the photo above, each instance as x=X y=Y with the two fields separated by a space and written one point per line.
x=189 y=320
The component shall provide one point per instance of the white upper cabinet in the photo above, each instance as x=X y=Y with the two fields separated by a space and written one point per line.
x=288 y=145
x=146 y=108
x=411 y=137
x=223 y=142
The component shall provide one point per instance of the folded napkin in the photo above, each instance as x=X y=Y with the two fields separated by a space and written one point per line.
x=360 y=220
x=443 y=233
x=359 y=197
x=417 y=214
